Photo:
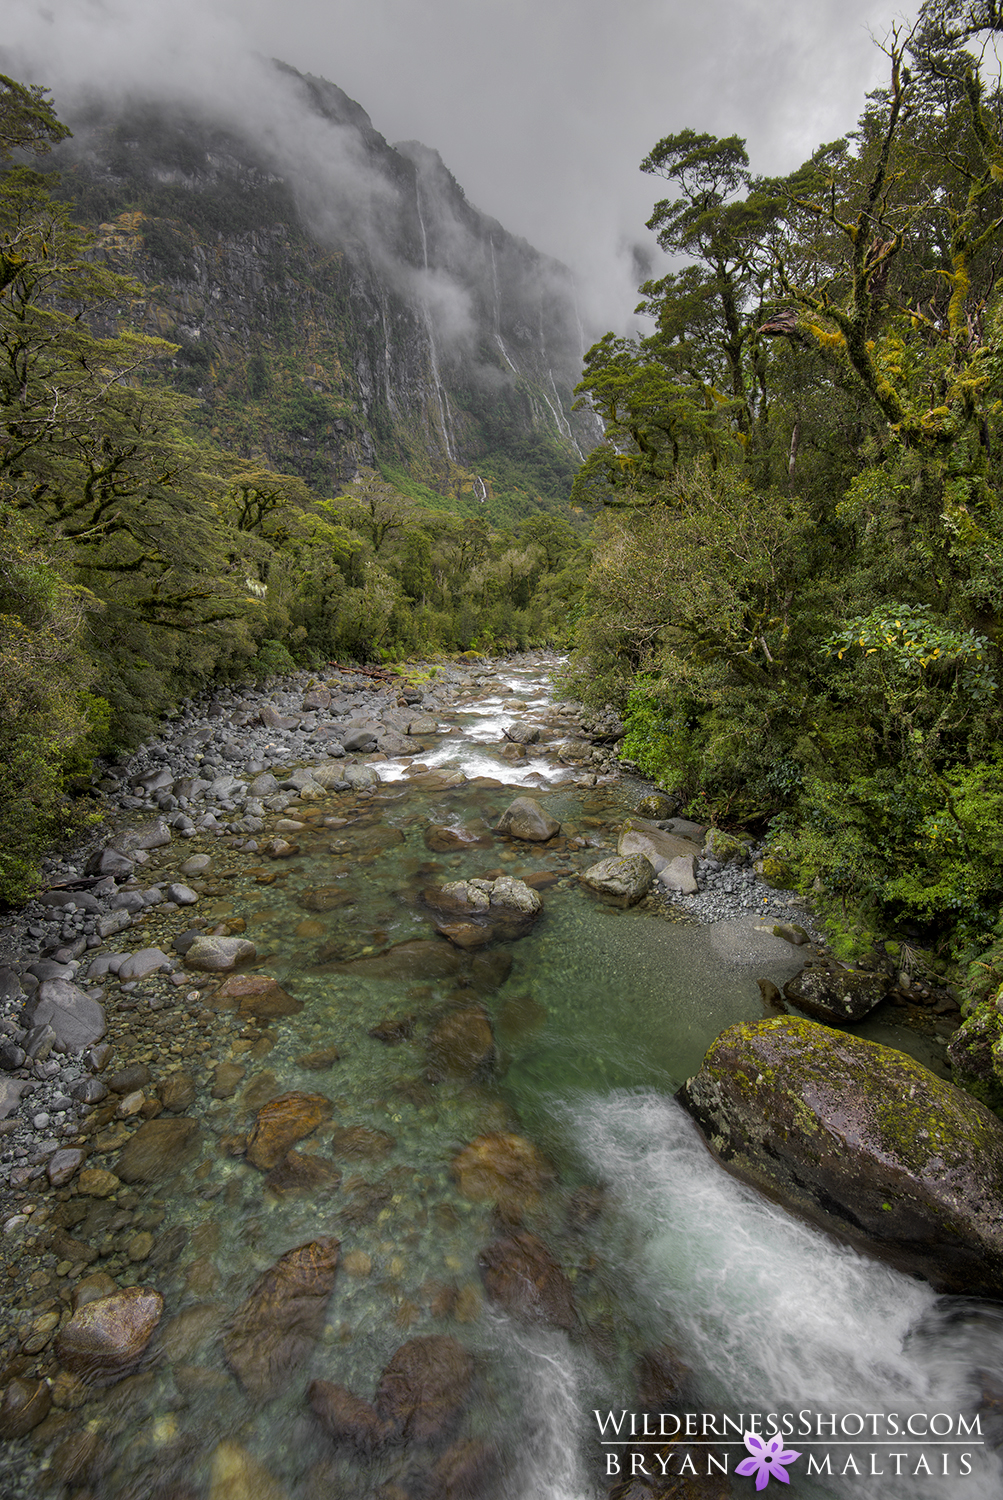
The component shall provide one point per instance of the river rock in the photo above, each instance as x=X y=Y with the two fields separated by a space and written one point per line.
x=836 y=995
x=329 y=776
x=277 y=1327
x=11 y=1090
x=359 y=777
x=347 y=1418
x=422 y=724
x=359 y=1143
x=506 y=906
x=257 y=995
x=454 y=838
x=326 y=898
x=301 y=1172
x=522 y=1276
x=177 y=1093
x=680 y=874
x=503 y=1169
x=62 y=1165
x=657 y=806
x=463 y=1043
x=281 y=1123
x=215 y=955
x=76 y=1020
x=861 y=1140
x=414 y=961
x=25 y=1403
x=659 y=848
x=143 y=963
x=236 y=1474
x=105 y=1339
x=622 y=879
x=526 y=819
x=158 y=1149
x=110 y=862
x=725 y=847
x=424 y=1388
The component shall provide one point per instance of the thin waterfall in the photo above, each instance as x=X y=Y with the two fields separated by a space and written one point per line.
x=433 y=355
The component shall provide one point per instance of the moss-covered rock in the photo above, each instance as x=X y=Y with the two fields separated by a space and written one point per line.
x=657 y=805
x=861 y=1140
x=725 y=847
x=976 y=1054
x=836 y=995
x=776 y=872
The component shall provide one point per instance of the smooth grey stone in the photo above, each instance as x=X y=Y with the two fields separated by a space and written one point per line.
x=183 y=895
x=153 y=835
x=11 y=1091
x=63 y=1163
x=127 y=901
x=142 y=963
x=47 y=968
x=88 y=1091
x=77 y=1020
x=10 y=985
x=111 y=862
x=155 y=781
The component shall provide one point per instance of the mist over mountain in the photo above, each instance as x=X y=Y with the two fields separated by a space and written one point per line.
x=337 y=301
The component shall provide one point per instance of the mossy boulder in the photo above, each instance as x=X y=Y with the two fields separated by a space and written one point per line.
x=657 y=805
x=776 y=872
x=861 y=1140
x=725 y=847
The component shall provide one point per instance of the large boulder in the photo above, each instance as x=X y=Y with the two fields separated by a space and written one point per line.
x=526 y=819
x=836 y=995
x=622 y=879
x=275 y=1330
x=506 y=907
x=861 y=1140
x=76 y=1020
x=659 y=848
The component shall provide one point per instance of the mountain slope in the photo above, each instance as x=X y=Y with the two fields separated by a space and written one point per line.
x=337 y=301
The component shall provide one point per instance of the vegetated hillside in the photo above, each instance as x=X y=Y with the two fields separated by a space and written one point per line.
x=798 y=589
x=156 y=539
x=337 y=302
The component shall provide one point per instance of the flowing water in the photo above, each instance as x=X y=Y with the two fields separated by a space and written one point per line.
x=602 y=1016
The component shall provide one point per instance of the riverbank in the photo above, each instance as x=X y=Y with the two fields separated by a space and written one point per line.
x=236 y=828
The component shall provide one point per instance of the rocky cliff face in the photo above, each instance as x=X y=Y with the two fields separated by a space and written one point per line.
x=336 y=300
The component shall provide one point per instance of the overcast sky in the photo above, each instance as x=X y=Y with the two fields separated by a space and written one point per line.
x=542 y=109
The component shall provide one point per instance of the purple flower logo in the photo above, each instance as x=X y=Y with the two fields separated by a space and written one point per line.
x=767 y=1461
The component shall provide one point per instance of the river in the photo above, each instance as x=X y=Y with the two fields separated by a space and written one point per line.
x=603 y=1015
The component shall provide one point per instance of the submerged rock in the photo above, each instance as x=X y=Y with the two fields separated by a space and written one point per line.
x=424 y=1388
x=463 y=1043
x=837 y=995
x=503 y=1169
x=414 y=960
x=526 y=819
x=25 y=1403
x=863 y=1141
x=521 y=1275
x=236 y=1475
x=105 y=1339
x=257 y=995
x=273 y=1332
x=159 y=1149
x=347 y=1418
x=283 y=1122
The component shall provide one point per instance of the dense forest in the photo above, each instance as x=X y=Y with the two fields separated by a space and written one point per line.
x=797 y=588
x=140 y=559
